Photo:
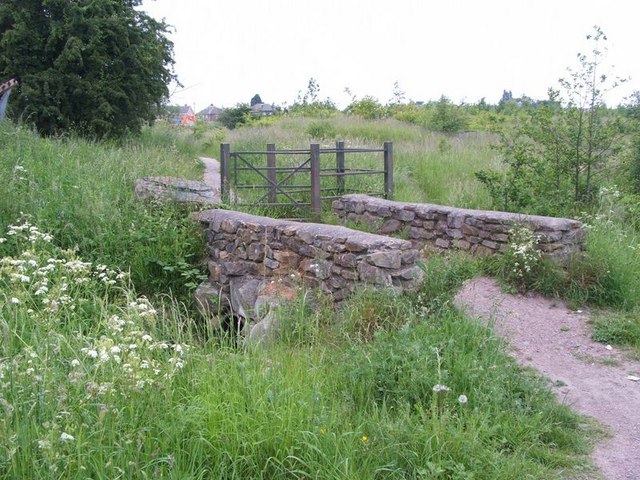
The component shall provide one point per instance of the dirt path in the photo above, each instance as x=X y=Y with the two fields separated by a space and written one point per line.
x=212 y=174
x=591 y=377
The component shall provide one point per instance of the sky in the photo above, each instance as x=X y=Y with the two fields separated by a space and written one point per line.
x=226 y=51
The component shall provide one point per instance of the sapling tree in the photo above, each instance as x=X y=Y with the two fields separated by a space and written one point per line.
x=557 y=149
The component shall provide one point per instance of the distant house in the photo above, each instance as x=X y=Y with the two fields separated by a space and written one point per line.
x=262 y=109
x=210 y=114
x=182 y=115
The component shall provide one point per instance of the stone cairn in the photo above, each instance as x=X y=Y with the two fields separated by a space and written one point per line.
x=257 y=262
x=477 y=231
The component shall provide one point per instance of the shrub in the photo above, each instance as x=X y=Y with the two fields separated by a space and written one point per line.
x=321 y=130
x=368 y=108
x=447 y=117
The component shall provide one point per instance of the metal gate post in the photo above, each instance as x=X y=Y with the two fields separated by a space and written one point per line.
x=388 y=170
x=225 y=158
x=340 y=168
x=316 y=206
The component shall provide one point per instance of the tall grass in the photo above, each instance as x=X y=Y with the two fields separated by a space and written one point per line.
x=429 y=167
x=83 y=192
x=97 y=383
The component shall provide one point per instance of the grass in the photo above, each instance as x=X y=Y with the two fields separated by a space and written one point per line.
x=99 y=382
x=83 y=192
x=428 y=167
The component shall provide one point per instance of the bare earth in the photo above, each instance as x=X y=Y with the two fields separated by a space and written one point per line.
x=589 y=376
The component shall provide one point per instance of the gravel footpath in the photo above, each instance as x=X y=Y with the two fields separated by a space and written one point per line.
x=593 y=378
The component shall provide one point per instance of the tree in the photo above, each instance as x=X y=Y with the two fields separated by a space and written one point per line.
x=255 y=100
x=234 y=117
x=558 y=149
x=367 y=107
x=97 y=68
x=447 y=117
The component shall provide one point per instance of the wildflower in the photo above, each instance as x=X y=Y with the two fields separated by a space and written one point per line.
x=65 y=437
x=75 y=362
x=462 y=399
x=90 y=353
x=15 y=301
x=364 y=439
x=440 y=388
x=44 y=444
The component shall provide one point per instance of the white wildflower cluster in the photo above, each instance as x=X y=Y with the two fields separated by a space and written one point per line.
x=19 y=171
x=130 y=353
x=48 y=285
x=28 y=231
x=523 y=253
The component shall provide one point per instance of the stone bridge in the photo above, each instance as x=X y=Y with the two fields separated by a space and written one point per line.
x=256 y=261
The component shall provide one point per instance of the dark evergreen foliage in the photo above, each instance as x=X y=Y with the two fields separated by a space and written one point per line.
x=98 y=68
x=255 y=100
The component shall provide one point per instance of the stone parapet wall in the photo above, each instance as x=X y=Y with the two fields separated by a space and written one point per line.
x=330 y=257
x=476 y=231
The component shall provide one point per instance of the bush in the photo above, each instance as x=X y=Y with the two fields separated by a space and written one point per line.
x=236 y=116
x=368 y=108
x=321 y=130
x=447 y=117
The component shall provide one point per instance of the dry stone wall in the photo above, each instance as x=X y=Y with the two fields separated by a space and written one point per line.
x=330 y=257
x=476 y=231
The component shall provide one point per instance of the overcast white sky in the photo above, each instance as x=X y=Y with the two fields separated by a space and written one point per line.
x=227 y=51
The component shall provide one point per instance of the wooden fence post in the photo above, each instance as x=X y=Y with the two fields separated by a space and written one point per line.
x=340 y=168
x=316 y=206
x=225 y=158
x=271 y=172
x=388 y=170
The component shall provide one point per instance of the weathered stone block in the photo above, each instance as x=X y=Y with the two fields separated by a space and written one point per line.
x=490 y=244
x=270 y=263
x=500 y=237
x=390 y=259
x=383 y=212
x=349 y=274
x=229 y=225
x=352 y=246
x=359 y=208
x=306 y=237
x=255 y=251
x=469 y=230
x=463 y=244
x=287 y=258
x=442 y=243
x=345 y=260
x=409 y=257
x=390 y=225
x=405 y=215
x=372 y=274
x=236 y=268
